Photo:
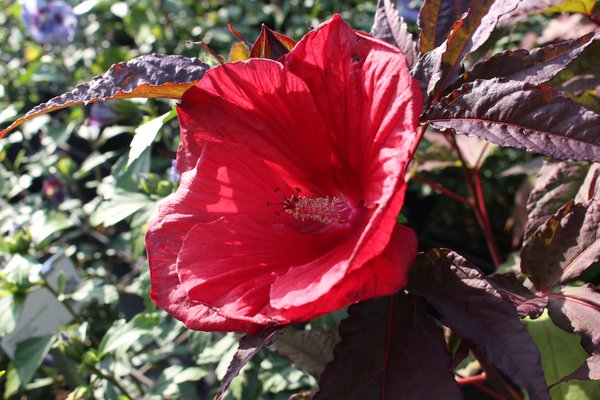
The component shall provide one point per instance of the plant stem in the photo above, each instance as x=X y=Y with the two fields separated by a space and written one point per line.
x=478 y=203
x=469 y=380
x=420 y=133
x=112 y=380
x=442 y=190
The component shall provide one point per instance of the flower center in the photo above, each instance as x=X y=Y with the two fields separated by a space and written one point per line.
x=327 y=210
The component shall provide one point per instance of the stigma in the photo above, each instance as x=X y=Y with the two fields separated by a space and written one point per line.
x=326 y=210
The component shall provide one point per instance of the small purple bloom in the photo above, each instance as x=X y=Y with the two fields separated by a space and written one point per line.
x=54 y=190
x=102 y=113
x=409 y=9
x=175 y=175
x=49 y=21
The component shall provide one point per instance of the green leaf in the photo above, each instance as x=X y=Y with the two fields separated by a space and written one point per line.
x=122 y=335
x=10 y=311
x=573 y=6
x=561 y=354
x=145 y=135
x=95 y=289
x=12 y=381
x=94 y=160
x=167 y=384
x=46 y=223
x=309 y=350
x=127 y=178
x=118 y=207
x=29 y=355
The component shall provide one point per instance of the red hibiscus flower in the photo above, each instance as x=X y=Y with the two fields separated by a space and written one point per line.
x=292 y=177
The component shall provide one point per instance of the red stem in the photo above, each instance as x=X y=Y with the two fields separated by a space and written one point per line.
x=442 y=190
x=470 y=380
x=487 y=226
x=478 y=203
x=420 y=133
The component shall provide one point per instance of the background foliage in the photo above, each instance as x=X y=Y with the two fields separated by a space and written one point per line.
x=86 y=181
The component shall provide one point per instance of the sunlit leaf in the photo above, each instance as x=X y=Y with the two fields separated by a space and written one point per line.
x=521 y=115
x=122 y=335
x=536 y=66
x=561 y=354
x=573 y=6
x=577 y=310
x=389 y=26
x=271 y=44
x=145 y=135
x=29 y=355
x=436 y=20
x=120 y=206
x=238 y=52
x=151 y=76
x=468 y=34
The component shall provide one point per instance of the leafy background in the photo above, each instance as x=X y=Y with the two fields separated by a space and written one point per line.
x=67 y=184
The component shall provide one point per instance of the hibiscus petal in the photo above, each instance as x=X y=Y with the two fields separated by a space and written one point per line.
x=259 y=104
x=364 y=93
x=230 y=263
x=370 y=104
x=228 y=180
x=164 y=239
x=304 y=293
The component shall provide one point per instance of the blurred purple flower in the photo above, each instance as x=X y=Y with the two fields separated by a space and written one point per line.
x=102 y=113
x=409 y=9
x=49 y=21
x=175 y=174
x=54 y=190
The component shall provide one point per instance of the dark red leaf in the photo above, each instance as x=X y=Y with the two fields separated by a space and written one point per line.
x=427 y=72
x=537 y=66
x=525 y=301
x=389 y=349
x=474 y=310
x=557 y=182
x=577 y=310
x=521 y=115
x=436 y=20
x=151 y=76
x=249 y=346
x=468 y=34
x=590 y=188
x=565 y=246
x=271 y=44
x=390 y=27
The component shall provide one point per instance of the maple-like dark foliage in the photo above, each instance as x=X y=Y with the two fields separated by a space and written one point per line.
x=151 y=76
x=393 y=347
